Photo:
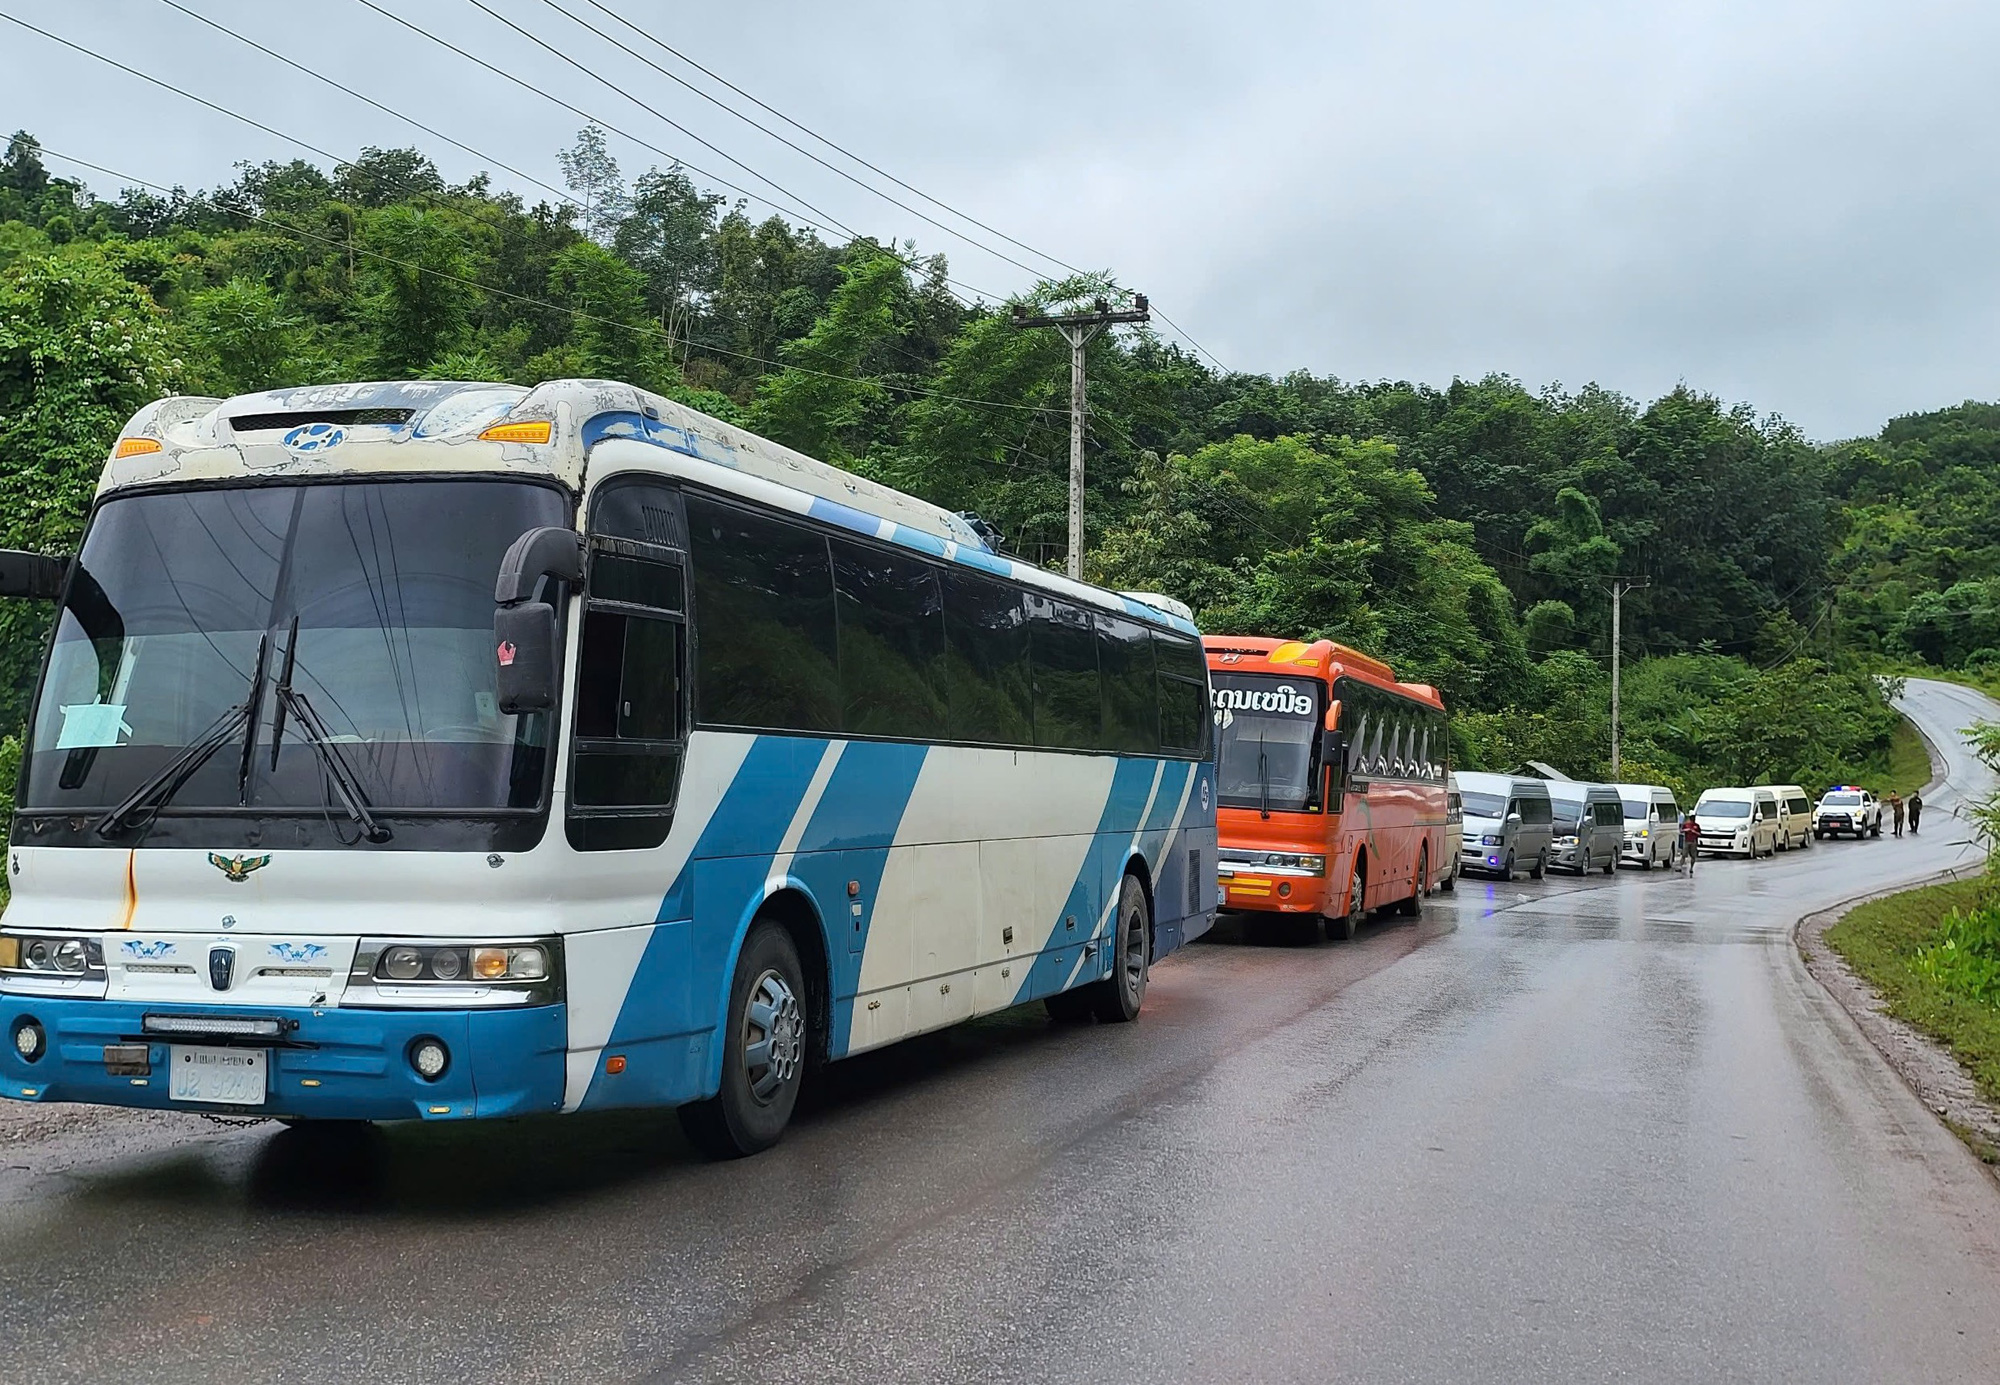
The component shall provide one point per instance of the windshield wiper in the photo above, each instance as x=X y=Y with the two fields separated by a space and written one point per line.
x=1263 y=778
x=157 y=788
x=345 y=785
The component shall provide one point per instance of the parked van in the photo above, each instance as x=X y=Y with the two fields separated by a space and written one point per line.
x=1652 y=825
x=1795 y=815
x=1738 y=822
x=1589 y=826
x=1506 y=824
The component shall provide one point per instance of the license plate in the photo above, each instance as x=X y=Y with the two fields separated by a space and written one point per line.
x=228 y=1076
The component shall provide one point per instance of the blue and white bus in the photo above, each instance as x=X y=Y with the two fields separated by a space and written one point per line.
x=447 y=750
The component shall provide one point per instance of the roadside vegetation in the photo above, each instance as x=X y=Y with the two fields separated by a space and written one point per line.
x=1934 y=954
x=1464 y=532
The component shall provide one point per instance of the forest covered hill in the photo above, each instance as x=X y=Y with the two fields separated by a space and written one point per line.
x=1463 y=531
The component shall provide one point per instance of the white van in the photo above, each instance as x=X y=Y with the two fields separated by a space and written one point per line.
x=1652 y=826
x=1738 y=822
x=1795 y=815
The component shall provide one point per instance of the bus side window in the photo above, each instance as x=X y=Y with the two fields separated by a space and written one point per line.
x=891 y=643
x=630 y=720
x=1185 y=717
x=1131 y=699
x=766 y=651
x=1069 y=695
x=988 y=684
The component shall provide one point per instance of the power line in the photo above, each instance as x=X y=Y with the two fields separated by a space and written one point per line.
x=539 y=302
x=825 y=224
x=411 y=121
x=822 y=139
x=789 y=144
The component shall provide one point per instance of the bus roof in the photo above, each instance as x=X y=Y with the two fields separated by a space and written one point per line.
x=1322 y=658
x=575 y=432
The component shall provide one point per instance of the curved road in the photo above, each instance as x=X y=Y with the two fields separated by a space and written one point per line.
x=1565 y=1131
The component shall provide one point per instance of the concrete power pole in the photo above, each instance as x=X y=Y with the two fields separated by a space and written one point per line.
x=1080 y=329
x=1619 y=586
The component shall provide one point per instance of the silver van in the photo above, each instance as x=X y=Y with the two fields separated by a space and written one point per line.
x=1589 y=826
x=1506 y=824
x=1652 y=825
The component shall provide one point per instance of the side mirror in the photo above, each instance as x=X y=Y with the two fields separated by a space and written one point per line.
x=1513 y=817
x=31 y=576
x=524 y=631
x=1333 y=750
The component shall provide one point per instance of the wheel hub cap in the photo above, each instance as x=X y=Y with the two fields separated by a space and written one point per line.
x=773 y=1036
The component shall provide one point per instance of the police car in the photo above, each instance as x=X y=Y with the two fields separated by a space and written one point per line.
x=1847 y=808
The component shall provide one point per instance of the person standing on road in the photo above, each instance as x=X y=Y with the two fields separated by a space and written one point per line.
x=1896 y=810
x=1690 y=840
x=1916 y=809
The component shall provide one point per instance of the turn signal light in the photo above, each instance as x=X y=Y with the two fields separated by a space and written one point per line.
x=536 y=431
x=135 y=447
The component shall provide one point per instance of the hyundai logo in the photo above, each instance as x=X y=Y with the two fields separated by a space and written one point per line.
x=314 y=437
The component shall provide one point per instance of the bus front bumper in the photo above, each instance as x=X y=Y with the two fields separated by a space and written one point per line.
x=1277 y=892
x=328 y=1064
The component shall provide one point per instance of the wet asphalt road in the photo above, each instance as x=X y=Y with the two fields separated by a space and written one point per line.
x=1581 y=1130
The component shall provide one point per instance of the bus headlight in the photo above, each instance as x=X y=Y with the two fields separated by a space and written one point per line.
x=40 y=955
x=393 y=973
x=1490 y=839
x=1312 y=865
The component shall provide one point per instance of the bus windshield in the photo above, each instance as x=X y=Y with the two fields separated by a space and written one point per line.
x=1266 y=730
x=376 y=598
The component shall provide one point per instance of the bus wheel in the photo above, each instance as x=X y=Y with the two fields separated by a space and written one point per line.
x=763 y=1051
x=1348 y=924
x=1414 y=906
x=1449 y=885
x=1116 y=1000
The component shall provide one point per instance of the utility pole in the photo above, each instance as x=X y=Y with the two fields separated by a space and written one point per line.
x=1619 y=586
x=1080 y=329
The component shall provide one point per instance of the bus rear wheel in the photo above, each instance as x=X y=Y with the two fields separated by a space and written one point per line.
x=763 y=1051
x=1413 y=906
x=1117 y=998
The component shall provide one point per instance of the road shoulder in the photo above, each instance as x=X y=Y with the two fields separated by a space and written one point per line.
x=1940 y=1081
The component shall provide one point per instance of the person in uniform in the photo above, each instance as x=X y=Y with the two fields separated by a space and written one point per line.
x=1916 y=809
x=1896 y=811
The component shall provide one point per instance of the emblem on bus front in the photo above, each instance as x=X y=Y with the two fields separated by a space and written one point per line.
x=309 y=438
x=221 y=967
x=237 y=868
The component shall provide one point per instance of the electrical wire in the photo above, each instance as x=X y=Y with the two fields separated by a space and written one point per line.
x=789 y=144
x=811 y=133
x=578 y=313
x=828 y=224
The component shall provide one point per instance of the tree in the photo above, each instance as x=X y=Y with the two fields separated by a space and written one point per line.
x=669 y=236
x=240 y=338
x=591 y=173
x=825 y=399
x=613 y=337
x=423 y=299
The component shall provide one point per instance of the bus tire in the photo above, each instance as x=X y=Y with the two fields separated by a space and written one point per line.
x=763 y=1051
x=1413 y=907
x=1118 y=998
x=1345 y=926
x=1449 y=885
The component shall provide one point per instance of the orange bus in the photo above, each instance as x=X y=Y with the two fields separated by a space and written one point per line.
x=1331 y=780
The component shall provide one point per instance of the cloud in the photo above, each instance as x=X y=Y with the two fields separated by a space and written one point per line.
x=1786 y=203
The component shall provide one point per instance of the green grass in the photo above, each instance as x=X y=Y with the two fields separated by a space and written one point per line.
x=1909 y=761
x=1881 y=940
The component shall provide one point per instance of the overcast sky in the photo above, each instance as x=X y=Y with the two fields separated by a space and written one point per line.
x=1785 y=202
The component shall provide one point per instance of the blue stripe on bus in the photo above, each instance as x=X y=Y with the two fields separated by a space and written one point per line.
x=733 y=856
x=1103 y=866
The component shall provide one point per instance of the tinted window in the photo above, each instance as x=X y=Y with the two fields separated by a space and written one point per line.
x=765 y=643
x=1069 y=703
x=1534 y=809
x=1131 y=702
x=1184 y=713
x=1610 y=815
x=891 y=643
x=639 y=509
x=986 y=678
x=635 y=581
